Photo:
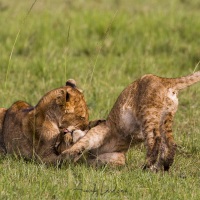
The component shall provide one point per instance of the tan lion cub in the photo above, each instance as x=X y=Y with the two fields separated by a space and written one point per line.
x=31 y=132
x=144 y=111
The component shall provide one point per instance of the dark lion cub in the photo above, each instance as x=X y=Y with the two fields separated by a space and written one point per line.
x=31 y=132
x=144 y=111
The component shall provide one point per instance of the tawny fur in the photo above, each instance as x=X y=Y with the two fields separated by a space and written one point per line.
x=31 y=132
x=144 y=111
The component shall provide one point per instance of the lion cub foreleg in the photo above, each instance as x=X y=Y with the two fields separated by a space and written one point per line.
x=93 y=139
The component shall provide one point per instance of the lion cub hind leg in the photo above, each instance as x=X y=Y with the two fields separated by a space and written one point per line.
x=112 y=159
x=168 y=146
x=152 y=134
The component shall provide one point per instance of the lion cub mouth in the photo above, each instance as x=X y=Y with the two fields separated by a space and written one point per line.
x=66 y=131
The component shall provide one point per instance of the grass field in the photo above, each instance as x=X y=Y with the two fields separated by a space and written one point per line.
x=104 y=45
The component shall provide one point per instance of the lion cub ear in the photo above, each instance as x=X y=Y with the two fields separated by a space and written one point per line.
x=71 y=82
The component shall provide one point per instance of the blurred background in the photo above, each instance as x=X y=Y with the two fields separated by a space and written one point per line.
x=104 y=45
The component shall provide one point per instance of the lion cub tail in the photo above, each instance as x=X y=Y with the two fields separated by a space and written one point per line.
x=185 y=81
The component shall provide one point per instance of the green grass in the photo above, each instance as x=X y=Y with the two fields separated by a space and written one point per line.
x=104 y=45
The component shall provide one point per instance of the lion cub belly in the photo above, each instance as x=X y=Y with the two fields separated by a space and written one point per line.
x=128 y=123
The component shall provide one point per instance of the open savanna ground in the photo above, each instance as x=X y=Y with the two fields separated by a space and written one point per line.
x=104 y=45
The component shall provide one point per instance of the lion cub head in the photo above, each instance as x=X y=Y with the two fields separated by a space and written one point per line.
x=64 y=107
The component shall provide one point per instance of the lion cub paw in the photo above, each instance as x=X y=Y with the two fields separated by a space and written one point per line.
x=78 y=134
x=72 y=154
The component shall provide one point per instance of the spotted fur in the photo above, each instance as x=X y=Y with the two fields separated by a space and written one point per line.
x=144 y=111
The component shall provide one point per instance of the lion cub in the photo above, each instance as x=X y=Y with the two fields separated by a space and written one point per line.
x=31 y=132
x=144 y=111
